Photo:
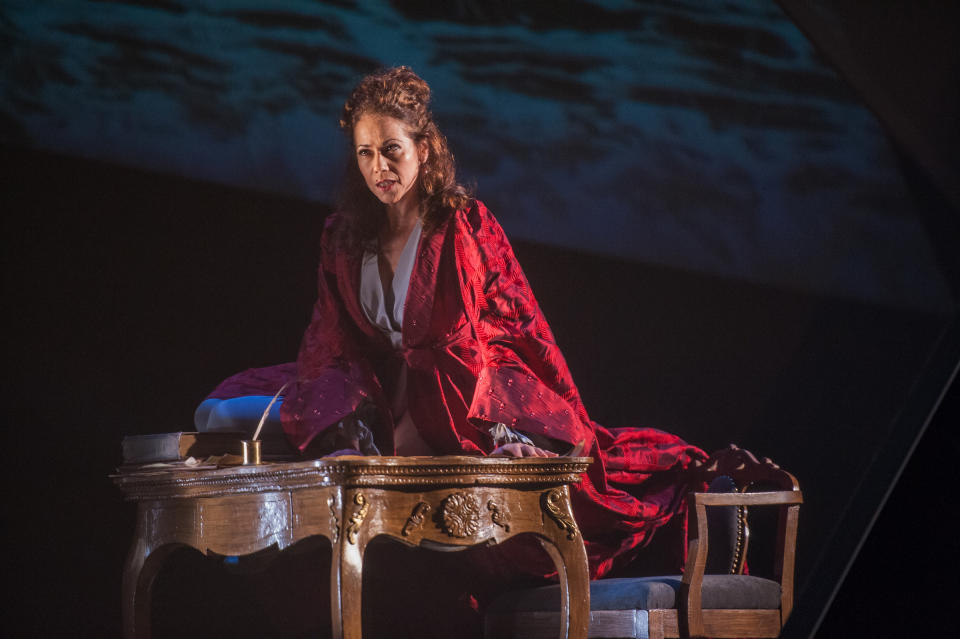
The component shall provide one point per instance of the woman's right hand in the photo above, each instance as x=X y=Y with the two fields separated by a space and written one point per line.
x=516 y=449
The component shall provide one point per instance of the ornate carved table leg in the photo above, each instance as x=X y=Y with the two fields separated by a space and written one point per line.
x=353 y=542
x=335 y=506
x=564 y=544
x=141 y=567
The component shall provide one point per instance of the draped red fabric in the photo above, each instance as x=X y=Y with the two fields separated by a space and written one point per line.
x=479 y=351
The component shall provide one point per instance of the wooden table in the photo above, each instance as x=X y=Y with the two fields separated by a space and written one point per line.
x=435 y=502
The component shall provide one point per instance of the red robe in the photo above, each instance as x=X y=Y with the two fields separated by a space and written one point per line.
x=479 y=351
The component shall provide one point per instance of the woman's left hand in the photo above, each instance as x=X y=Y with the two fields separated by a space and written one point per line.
x=517 y=449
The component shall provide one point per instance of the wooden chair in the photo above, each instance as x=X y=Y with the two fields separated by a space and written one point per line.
x=696 y=604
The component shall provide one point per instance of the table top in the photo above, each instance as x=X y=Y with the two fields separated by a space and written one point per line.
x=349 y=471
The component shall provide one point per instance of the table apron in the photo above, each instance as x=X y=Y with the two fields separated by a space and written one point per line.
x=240 y=524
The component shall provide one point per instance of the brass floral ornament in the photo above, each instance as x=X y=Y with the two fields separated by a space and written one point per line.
x=357 y=518
x=555 y=505
x=460 y=515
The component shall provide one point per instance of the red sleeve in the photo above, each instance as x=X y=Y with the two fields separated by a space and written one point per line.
x=524 y=381
x=332 y=375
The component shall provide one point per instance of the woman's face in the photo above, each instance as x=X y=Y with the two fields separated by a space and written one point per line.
x=388 y=158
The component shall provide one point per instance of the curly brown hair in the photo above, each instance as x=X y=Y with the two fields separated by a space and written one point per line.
x=400 y=93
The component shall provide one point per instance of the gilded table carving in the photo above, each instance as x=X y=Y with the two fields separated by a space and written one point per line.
x=356 y=520
x=500 y=515
x=460 y=514
x=554 y=502
x=415 y=520
x=240 y=510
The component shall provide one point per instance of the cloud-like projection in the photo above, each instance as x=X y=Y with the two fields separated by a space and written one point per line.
x=697 y=135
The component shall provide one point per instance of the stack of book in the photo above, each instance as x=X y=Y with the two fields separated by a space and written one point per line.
x=179 y=446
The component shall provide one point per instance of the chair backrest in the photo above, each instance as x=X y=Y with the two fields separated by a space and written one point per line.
x=745 y=470
x=729 y=532
x=748 y=474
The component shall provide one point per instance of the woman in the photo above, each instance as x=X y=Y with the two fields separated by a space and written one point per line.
x=426 y=337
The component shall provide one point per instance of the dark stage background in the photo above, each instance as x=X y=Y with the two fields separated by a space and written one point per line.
x=731 y=231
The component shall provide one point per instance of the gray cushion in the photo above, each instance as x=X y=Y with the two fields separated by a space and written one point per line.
x=650 y=593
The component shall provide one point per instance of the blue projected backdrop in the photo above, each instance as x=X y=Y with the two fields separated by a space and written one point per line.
x=704 y=136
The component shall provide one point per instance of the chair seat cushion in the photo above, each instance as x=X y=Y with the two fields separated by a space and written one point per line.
x=650 y=593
